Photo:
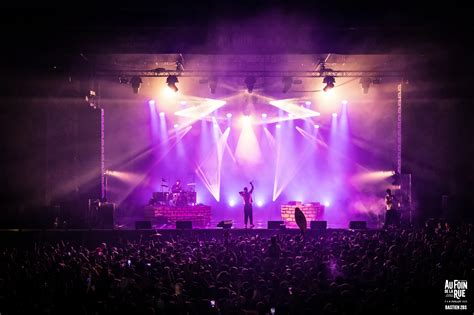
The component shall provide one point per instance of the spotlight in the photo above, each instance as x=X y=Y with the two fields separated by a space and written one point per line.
x=232 y=202
x=213 y=85
x=229 y=115
x=327 y=204
x=136 y=83
x=264 y=115
x=109 y=172
x=250 y=83
x=278 y=126
x=287 y=82
x=176 y=125
x=344 y=102
x=307 y=103
x=316 y=126
x=334 y=114
x=162 y=114
x=365 y=83
x=183 y=102
x=246 y=120
x=259 y=203
x=171 y=82
x=151 y=102
x=329 y=81
x=396 y=179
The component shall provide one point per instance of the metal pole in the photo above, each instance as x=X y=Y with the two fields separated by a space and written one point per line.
x=399 y=129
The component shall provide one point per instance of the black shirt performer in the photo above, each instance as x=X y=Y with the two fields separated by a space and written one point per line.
x=247 y=198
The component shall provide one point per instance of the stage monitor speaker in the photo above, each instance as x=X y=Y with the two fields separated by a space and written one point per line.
x=319 y=225
x=181 y=225
x=226 y=224
x=142 y=225
x=276 y=225
x=358 y=225
x=106 y=216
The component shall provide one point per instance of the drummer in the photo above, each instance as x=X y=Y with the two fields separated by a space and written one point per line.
x=176 y=188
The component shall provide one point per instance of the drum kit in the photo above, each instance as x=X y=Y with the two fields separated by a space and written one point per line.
x=176 y=197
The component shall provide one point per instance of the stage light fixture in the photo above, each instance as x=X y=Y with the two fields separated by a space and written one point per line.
x=250 y=83
x=278 y=126
x=171 y=82
x=396 y=180
x=151 y=102
x=136 y=83
x=316 y=126
x=334 y=114
x=229 y=115
x=365 y=83
x=176 y=125
x=264 y=115
x=123 y=80
x=307 y=103
x=329 y=81
x=213 y=85
x=287 y=83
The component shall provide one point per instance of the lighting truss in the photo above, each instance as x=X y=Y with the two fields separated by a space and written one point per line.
x=163 y=73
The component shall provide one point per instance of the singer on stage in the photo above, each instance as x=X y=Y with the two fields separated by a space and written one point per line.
x=247 y=198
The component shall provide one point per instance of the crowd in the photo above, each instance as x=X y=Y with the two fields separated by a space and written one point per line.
x=339 y=272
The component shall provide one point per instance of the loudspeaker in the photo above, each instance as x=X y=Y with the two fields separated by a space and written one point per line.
x=184 y=225
x=106 y=216
x=142 y=225
x=319 y=225
x=226 y=224
x=357 y=225
x=276 y=225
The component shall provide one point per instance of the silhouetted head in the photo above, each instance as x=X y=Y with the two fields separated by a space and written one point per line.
x=389 y=192
x=245 y=189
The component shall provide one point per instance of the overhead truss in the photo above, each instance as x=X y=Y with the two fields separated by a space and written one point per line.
x=162 y=73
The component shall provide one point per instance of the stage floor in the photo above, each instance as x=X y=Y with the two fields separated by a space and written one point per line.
x=128 y=223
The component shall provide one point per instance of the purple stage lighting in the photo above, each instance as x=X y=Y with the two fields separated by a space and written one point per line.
x=176 y=125
x=344 y=102
x=264 y=115
x=307 y=103
x=151 y=102
x=334 y=114
x=259 y=203
x=229 y=115
x=162 y=114
x=231 y=202
x=316 y=126
x=327 y=203
x=277 y=126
